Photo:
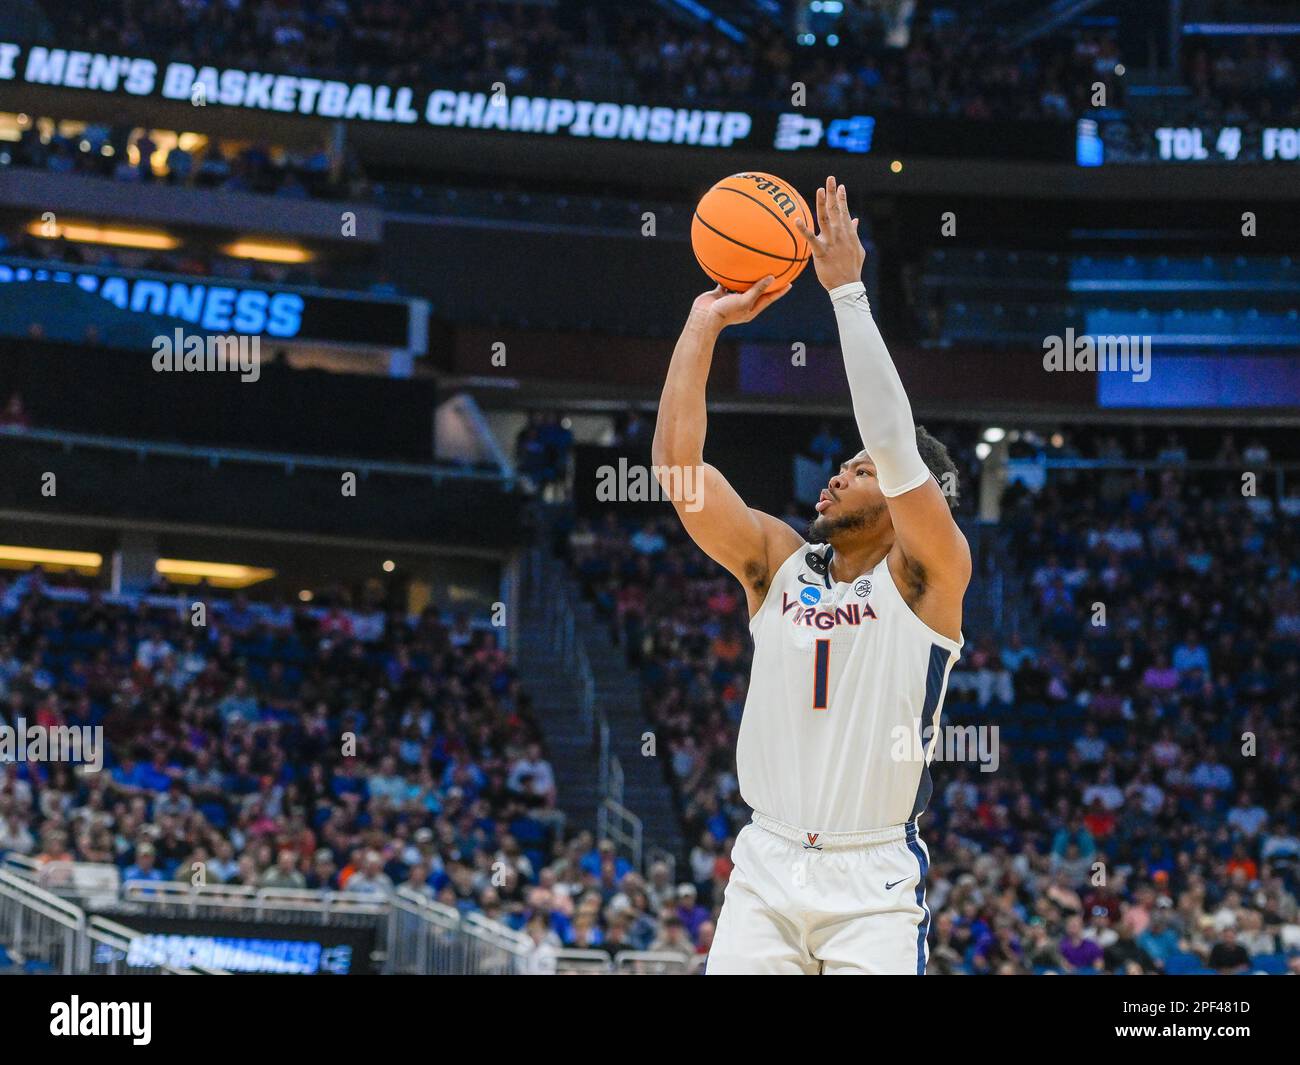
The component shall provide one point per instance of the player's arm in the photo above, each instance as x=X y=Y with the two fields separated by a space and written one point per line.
x=745 y=542
x=931 y=542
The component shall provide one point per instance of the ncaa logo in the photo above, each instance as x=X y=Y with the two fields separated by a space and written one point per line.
x=810 y=596
x=863 y=587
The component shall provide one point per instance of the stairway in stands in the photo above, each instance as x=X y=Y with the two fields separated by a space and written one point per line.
x=618 y=691
x=553 y=679
x=557 y=697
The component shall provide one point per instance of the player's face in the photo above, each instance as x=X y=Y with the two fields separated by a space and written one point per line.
x=851 y=501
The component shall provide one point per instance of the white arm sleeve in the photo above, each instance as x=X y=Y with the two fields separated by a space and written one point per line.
x=880 y=405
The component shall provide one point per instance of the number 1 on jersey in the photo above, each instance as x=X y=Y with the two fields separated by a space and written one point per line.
x=821 y=674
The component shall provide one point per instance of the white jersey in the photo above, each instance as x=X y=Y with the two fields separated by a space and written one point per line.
x=844 y=700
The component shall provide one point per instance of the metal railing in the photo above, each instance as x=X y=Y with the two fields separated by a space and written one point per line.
x=20 y=865
x=626 y=962
x=424 y=936
x=46 y=933
x=40 y=931
x=617 y=823
x=108 y=953
x=492 y=948
x=271 y=906
x=414 y=934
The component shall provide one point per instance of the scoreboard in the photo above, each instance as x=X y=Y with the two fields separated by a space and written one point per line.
x=1100 y=142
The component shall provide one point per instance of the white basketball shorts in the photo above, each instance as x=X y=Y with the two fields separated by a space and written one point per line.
x=810 y=903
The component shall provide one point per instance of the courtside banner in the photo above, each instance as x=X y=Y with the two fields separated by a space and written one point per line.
x=241 y=947
x=496 y=110
x=129 y=308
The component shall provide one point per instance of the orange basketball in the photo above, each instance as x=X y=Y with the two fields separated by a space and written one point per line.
x=743 y=230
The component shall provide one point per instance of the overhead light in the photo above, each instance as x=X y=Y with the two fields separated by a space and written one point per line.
x=305 y=595
x=983 y=450
x=267 y=252
x=119 y=236
x=389 y=565
x=218 y=574
x=896 y=166
x=26 y=557
x=994 y=435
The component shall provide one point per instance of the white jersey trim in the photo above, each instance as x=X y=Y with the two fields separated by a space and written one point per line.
x=952 y=645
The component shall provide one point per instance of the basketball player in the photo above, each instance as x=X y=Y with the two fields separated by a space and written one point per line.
x=854 y=636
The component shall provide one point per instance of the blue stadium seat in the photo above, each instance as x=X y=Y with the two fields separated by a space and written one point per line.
x=1253 y=324
x=1272 y=964
x=1177 y=269
x=1182 y=964
x=1110 y=321
x=1107 y=268
x=1212 y=322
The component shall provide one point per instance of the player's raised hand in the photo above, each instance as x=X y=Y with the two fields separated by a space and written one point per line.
x=837 y=252
x=723 y=308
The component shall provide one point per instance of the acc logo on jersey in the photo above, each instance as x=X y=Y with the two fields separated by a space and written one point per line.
x=863 y=587
x=810 y=596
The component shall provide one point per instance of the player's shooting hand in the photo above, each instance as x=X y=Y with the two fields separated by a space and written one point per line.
x=837 y=252
x=721 y=308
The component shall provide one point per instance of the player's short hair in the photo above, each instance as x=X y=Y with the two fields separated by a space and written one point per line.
x=940 y=463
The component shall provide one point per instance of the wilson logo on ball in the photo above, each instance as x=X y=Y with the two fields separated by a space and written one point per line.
x=786 y=202
x=743 y=230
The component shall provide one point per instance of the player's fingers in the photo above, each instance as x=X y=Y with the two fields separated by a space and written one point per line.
x=813 y=240
x=837 y=212
x=823 y=221
x=765 y=301
x=835 y=209
x=756 y=290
